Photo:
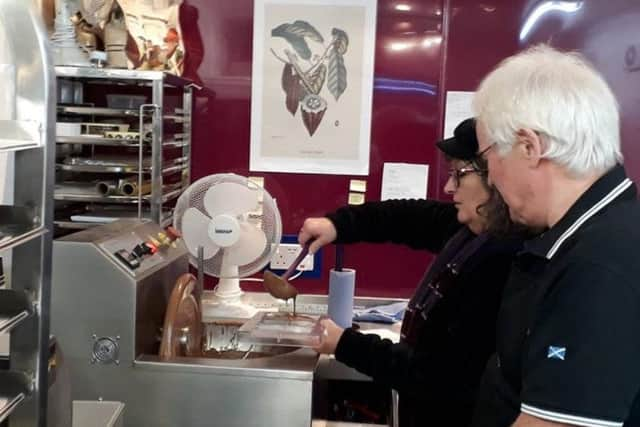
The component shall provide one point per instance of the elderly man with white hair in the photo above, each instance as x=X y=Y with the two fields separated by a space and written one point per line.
x=569 y=324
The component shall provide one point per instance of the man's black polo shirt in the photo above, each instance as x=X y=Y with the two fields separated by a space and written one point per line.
x=569 y=324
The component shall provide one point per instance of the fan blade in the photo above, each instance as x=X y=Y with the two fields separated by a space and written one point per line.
x=230 y=198
x=249 y=247
x=195 y=226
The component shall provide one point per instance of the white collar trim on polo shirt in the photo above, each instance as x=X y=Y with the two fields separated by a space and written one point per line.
x=588 y=214
x=566 y=418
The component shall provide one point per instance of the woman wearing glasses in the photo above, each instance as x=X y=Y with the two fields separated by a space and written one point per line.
x=448 y=331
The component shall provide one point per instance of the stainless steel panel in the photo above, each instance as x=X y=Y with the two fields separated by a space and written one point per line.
x=102 y=233
x=170 y=398
x=90 y=297
x=27 y=49
x=19 y=134
x=297 y=365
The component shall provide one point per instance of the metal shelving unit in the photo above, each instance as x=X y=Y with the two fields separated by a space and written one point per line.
x=26 y=141
x=157 y=156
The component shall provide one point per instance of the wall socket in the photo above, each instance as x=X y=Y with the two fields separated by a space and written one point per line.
x=286 y=254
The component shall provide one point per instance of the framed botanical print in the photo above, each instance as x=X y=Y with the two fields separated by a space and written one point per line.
x=312 y=84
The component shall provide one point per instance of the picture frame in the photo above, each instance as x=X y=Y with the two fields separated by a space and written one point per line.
x=312 y=86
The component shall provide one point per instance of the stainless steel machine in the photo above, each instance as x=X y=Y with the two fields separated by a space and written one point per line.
x=107 y=311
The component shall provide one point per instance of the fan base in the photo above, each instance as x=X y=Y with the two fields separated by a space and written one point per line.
x=216 y=308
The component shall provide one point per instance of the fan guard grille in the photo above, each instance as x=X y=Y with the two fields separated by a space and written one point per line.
x=268 y=220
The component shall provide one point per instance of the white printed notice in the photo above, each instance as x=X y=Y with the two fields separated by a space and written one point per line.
x=457 y=109
x=404 y=181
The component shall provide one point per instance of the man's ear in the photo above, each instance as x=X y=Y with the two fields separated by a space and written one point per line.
x=530 y=146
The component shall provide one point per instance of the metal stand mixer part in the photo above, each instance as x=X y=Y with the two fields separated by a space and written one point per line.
x=221 y=336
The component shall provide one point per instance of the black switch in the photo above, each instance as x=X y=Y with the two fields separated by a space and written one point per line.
x=141 y=250
x=128 y=259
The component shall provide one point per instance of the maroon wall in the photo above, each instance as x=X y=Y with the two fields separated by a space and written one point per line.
x=473 y=35
x=482 y=33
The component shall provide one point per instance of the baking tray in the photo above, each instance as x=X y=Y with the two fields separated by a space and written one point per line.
x=107 y=161
x=77 y=189
x=98 y=140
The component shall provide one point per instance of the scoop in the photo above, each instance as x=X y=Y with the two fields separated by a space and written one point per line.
x=279 y=286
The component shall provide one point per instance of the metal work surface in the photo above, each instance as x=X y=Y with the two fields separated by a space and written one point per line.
x=297 y=365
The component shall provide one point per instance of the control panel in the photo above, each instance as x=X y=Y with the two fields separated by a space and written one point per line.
x=142 y=248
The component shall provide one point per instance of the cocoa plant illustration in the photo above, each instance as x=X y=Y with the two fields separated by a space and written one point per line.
x=304 y=73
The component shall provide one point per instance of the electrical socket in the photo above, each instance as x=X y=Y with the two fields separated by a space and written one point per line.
x=286 y=254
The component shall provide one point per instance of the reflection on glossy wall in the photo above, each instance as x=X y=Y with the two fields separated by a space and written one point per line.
x=608 y=34
x=421 y=47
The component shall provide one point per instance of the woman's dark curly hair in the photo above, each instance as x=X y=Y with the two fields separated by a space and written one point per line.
x=495 y=210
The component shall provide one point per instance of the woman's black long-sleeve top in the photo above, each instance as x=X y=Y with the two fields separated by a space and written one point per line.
x=437 y=379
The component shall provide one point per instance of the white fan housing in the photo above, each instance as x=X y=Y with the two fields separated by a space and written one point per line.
x=238 y=226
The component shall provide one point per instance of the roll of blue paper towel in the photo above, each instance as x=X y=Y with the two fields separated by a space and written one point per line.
x=341 y=291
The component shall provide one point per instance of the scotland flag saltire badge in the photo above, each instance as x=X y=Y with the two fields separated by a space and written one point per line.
x=554 y=352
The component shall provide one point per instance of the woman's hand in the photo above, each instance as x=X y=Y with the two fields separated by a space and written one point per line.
x=320 y=229
x=330 y=337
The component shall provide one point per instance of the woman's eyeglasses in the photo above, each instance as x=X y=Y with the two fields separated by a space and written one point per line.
x=458 y=174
